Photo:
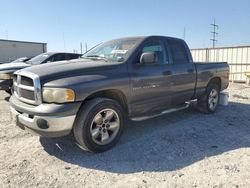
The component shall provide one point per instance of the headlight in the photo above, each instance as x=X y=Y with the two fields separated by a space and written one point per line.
x=5 y=76
x=58 y=95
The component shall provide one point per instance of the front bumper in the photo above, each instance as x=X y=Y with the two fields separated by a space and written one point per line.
x=5 y=85
x=48 y=120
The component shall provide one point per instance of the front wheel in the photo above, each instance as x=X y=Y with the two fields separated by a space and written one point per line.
x=10 y=91
x=99 y=125
x=208 y=103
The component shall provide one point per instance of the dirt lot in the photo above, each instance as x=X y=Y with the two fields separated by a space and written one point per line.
x=182 y=149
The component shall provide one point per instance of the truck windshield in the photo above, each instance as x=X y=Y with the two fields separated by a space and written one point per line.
x=38 y=59
x=113 y=51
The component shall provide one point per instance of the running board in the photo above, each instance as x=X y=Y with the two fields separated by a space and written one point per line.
x=142 y=118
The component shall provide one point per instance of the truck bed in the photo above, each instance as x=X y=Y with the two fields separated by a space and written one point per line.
x=209 y=70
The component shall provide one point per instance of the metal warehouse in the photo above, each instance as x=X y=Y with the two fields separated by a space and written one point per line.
x=238 y=58
x=11 y=49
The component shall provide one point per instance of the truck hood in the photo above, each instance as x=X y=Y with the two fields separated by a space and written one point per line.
x=12 y=67
x=64 y=69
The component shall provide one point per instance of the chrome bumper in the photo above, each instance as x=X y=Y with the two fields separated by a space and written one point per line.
x=47 y=126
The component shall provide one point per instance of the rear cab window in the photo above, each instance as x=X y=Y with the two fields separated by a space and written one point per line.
x=71 y=56
x=178 y=51
x=74 y=56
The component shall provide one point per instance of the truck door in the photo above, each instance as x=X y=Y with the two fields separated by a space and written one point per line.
x=182 y=73
x=149 y=82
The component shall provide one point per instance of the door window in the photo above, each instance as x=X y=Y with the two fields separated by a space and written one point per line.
x=158 y=48
x=59 y=57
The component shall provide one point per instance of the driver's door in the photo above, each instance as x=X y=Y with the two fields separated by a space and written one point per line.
x=150 y=82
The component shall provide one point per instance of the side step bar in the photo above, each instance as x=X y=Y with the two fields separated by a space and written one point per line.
x=142 y=118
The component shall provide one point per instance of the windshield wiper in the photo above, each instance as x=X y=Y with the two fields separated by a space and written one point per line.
x=97 y=57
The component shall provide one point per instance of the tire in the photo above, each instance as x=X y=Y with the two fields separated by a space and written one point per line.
x=9 y=91
x=212 y=95
x=99 y=125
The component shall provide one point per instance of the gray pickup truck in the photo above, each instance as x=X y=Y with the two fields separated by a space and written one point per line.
x=135 y=77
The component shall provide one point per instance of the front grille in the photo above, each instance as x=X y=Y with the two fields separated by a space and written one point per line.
x=28 y=94
x=27 y=81
x=27 y=87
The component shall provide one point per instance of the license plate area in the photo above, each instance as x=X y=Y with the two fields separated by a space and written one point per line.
x=15 y=115
x=20 y=125
x=16 y=119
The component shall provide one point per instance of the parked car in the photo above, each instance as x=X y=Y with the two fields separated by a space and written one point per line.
x=21 y=59
x=7 y=70
x=137 y=77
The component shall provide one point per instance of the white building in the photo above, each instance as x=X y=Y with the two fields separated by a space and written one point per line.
x=238 y=58
x=11 y=49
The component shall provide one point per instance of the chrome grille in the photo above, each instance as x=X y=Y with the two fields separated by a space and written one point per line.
x=27 y=81
x=27 y=87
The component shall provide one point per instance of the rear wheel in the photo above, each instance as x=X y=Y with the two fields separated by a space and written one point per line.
x=208 y=103
x=99 y=125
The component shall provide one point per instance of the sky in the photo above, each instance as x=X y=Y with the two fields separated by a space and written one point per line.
x=64 y=24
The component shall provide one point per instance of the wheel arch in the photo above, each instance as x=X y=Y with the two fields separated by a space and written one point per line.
x=215 y=80
x=114 y=94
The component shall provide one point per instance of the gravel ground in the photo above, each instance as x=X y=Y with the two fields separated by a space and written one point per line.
x=182 y=149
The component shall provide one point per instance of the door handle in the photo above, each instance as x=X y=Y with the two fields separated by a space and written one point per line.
x=167 y=73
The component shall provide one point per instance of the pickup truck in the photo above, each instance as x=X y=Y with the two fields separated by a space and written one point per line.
x=135 y=77
x=7 y=69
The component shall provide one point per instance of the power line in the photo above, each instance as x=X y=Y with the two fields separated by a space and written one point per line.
x=214 y=33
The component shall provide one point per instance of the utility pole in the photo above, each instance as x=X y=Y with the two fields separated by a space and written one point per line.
x=214 y=33
x=81 y=47
x=86 y=47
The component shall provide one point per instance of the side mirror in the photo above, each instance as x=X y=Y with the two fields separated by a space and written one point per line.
x=120 y=59
x=148 y=58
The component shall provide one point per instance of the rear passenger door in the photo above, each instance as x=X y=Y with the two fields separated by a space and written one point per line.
x=182 y=74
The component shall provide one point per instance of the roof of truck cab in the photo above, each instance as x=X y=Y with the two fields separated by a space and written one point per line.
x=53 y=53
x=145 y=37
x=162 y=36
